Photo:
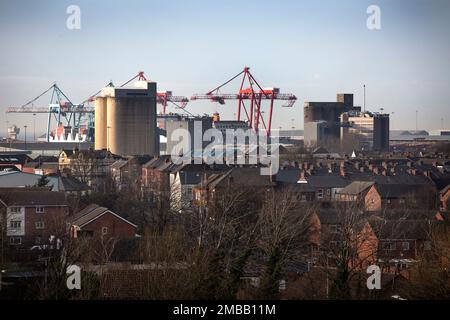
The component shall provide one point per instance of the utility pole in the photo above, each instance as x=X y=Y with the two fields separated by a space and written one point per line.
x=392 y=120
x=364 y=104
x=107 y=137
x=25 y=137
x=417 y=126
x=34 y=127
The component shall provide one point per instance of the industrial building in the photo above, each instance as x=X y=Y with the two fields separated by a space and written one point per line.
x=365 y=130
x=125 y=120
x=439 y=132
x=223 y=125
x=325 y=117
x=381 y=133
x=189 y=124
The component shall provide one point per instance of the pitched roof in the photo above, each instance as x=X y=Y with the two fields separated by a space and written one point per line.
x=241 y=176
x=118 y=164
x=356 y=187
x=402 y=229
x=92 y=212
x=390 y=191
x=328 y=181
x=69 y=184
x=445 y=190
x=14 y=158
x=32 y=197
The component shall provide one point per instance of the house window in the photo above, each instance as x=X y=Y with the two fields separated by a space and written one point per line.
x=38 y=240
x=405 y=246
x=328 y=192
x=402 y=200
x=40 y=225
x=282 y=285
x=334 y=228
x=320 y=193
x=14 y=209
x=104 y=230
x=40 y=210
x=13 y=224
x=333 y=244
x=390 y=246
x=15 y=240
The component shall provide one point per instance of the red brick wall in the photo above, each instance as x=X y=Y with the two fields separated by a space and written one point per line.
x=54 y=222
x=155 y=180
x=372 y=200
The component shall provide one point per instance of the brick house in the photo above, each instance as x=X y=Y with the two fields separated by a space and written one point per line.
x=99 y=222
x=401 y=242
x=32 y=215
x=398 y=196
x=89 y=166
x=219 y=184
x=373 y=196
x=325 y=184
x=364 y=193
x=156 y=175
x=43 y=165
x=126 y=172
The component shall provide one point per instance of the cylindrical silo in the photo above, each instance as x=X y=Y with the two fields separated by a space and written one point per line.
x=100 y=123
x=131 y=123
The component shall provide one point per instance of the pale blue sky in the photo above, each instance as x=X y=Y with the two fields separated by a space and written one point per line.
x=313 y=49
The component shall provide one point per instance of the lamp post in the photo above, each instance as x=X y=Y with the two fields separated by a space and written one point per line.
x=34 y=127
x=107 y=137
x=392 y=120
x=25 y=137
x=417 y=124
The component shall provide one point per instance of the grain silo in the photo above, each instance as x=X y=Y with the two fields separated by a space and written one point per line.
x=131 y=119
x=100 y=123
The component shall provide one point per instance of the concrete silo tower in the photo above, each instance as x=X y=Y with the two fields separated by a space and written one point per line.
x=130 y=127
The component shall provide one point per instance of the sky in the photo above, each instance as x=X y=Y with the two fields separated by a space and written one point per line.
x=313 y=49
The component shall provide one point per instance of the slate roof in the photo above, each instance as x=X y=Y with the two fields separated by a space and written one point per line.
x=32 y=197
x=14 y=159
x=445 y=190
x=319 y=180
x=356 y=187
x=392 y=191
x=402 y=229
x=69 y=184
x=92 y=212
x=241 y=176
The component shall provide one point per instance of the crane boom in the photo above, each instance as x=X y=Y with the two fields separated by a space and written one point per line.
x=255 y=94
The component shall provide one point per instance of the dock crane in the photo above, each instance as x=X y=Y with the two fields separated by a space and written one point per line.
x=250 y=91
x=60 y=108
x=162 y=97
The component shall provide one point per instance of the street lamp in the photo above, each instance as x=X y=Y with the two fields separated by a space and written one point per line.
x=392 y=120
x=34 y=127
x=107 y=138
x=25 y=137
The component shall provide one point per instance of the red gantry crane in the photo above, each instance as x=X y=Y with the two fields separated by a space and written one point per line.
x=162 y=97
x=250 y=92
